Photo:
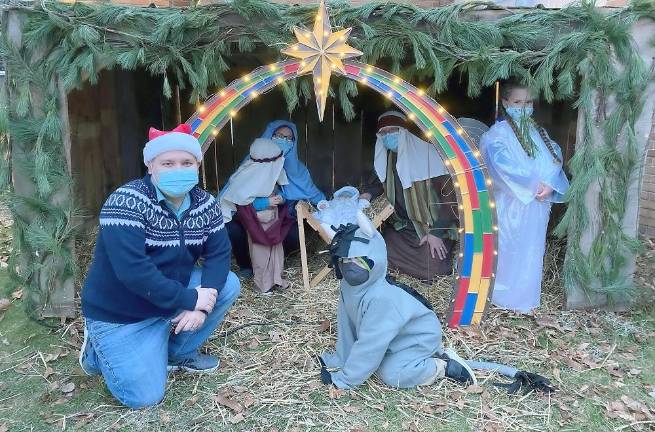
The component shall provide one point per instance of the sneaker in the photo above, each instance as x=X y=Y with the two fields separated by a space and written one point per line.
x=457 y=369
x=86 y=351
x=202 y=363
x=245 y=273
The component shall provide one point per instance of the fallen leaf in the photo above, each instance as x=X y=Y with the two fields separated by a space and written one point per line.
x=230 y=403
x=254 y=343
x=325 y=326
x=17 y=295
x=191 y=401
x=67 y=388
x=248 y=401
x=634 y=371
x=4 y=304
x=358 y=429
x=351 y=409
x=237 y=418
x=474 y=389
x=48 y=372
x=335 y=393
x=3 y=427
x=165 y=417
x=614 y=371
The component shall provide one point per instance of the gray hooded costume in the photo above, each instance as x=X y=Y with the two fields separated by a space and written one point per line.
x=382 y=328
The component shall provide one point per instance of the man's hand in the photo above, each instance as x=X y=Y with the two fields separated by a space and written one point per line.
x=189 y=321
x=367 y=196
x=206 y=299
x=437 y=246
x=275 y=200
x=543 y=192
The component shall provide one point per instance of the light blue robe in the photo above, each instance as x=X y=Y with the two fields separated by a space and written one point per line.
x=522 y=220
x=382 y=329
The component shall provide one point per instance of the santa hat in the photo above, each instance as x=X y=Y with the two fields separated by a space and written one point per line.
x=392 y=118
x=179 y=138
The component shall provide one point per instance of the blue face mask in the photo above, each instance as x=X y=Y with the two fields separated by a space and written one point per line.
x=517 y=113
x=177 y=182
x=390 y=141
x=285 y=144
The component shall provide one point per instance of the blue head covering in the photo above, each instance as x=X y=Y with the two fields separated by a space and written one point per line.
x=301 y=186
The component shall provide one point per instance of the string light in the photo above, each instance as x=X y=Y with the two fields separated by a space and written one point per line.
x=325 y=33
x=369 y=69
x=215 y=132
x=389 y=95
x=456 y=184
x=428 y=134
x=396 y=80
x=233 y=113
x=461 y=255
x=461 y=230
x=440 y=110
x=495 y=227
x=364 y=80
x=489 y=182
x=303 y=64
x=421 y=92
x=459 y=130
x=222 y=93
x=476 y=153
x=273 y=67
x=492 y=204
x=461 y=207
x=295 y=48
x=495 y=252
x=411 y=116
x=254 y=94
x=279 y=80
x=447 y=162
x=246 y=78
x=201 y=109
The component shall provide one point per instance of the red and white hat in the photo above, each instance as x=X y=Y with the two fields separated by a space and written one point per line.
x=179 y=138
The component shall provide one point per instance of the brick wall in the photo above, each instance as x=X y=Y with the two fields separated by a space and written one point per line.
x=647 y=195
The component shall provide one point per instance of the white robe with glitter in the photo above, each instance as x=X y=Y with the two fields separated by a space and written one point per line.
x=522 y=219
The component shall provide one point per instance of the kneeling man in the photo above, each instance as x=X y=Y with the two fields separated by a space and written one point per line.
x=147 y=305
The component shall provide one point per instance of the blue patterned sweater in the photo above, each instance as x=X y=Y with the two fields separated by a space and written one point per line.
x=144 y=256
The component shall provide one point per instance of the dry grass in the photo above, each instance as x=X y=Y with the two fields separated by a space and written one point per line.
x=268 y=380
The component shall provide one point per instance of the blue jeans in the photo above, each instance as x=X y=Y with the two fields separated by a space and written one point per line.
x=133 y=357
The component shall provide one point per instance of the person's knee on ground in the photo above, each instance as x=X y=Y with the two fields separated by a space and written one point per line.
x=136 y=396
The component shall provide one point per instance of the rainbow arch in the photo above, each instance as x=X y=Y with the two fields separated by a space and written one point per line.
x=476 y=262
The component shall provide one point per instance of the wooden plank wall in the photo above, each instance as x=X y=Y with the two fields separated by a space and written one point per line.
x=109 y=124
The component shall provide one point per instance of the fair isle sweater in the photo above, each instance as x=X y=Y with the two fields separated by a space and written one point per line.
x=144 y=256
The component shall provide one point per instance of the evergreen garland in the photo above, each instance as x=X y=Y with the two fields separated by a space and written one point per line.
x=549 y=50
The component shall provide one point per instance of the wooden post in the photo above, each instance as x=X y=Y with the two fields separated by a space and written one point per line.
x=578 y=297
x=60 y=292
x=300 y=213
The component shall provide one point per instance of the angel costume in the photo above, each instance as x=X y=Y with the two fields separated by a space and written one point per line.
x=522 y=219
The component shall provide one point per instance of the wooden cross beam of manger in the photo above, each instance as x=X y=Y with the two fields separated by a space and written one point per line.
x=304 y=214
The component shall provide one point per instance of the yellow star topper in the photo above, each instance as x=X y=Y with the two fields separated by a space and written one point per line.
x=321 y=52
